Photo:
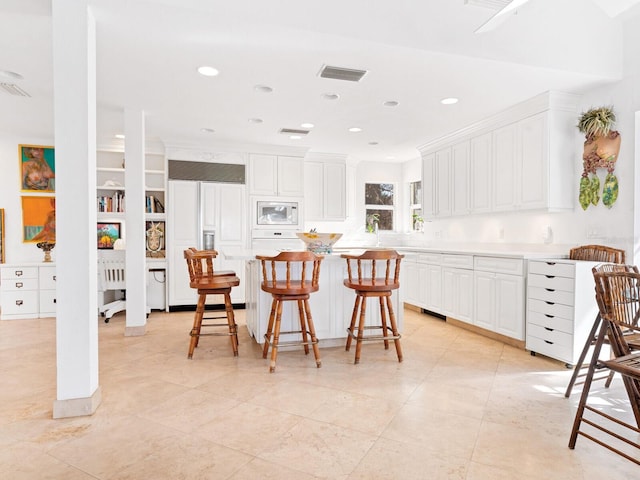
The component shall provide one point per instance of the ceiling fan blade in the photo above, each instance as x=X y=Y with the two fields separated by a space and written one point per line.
x=500 y=16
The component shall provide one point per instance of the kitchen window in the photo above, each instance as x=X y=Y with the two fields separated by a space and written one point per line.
x=415 y=206
x=379 y=199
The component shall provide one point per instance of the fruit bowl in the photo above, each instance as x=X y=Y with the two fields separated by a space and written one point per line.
x=319 y=242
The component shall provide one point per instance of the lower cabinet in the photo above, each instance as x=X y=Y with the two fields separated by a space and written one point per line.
x=457 y=287
x=561 y=307
x=27 y=291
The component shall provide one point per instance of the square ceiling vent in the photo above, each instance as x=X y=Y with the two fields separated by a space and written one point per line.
x=340 y=73
x=293 y=131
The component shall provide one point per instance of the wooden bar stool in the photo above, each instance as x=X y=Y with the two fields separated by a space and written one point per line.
x=367 y=283
x=290 y=276
x=209 y=282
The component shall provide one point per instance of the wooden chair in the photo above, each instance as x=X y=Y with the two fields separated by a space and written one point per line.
x=207 y=281
x=618 y=294
x=594 y=253
x=290 y=276
x=367 y=283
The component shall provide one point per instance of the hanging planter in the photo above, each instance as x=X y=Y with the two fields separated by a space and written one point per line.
x=601 y=148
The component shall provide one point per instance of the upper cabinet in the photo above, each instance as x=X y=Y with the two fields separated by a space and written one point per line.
x=520 y=160
x=276 y=175
x=325 y=189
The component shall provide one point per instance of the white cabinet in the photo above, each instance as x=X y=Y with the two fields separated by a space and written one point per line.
x=561 y=307
x=429 y=185
x=423 y=280
x=27 y=291
x=499 y=295
x=457 y=287
x=325 y=190
x=224 y=211
x=276 y=175
x=505 y=167
x=443 y=178
x=480 y=173
x=460 y=190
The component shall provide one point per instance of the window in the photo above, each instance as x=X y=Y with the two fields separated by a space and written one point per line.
x=379 y=202
x=415 y=206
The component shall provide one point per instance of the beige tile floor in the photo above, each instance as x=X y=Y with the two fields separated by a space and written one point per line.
x=460 y=406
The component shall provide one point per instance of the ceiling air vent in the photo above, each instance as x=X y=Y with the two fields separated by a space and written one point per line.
x=293 y=131
x=339 y=73
x=13 y=89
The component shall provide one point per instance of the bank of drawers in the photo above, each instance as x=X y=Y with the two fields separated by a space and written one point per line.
x=561 y=307
x=27 y=291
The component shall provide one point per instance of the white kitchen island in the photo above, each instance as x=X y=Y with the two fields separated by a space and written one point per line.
x=331 y=306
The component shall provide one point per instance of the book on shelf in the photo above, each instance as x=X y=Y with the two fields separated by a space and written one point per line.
x=111 y=203
x=153 y=205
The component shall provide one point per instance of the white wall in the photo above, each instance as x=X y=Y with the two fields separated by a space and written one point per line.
x=10 y=199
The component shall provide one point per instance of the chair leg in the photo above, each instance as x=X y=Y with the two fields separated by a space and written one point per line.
x=580 y=365
x=383 y=320
x=312 y=331
x=354 y=315
x=303 y=327
x=197 y=325
x=267 y=335
x=233 y=328
x=363 y=313
x=276 y=338
x=394 y=329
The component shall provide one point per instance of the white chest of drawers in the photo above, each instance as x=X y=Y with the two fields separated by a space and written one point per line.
x=27 y=291
x=561 y=307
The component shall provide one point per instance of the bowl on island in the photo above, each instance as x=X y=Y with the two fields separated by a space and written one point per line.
x=319 y=242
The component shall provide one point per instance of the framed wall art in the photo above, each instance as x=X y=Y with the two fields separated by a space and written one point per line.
x=1 y=235
x=107 y=234
x=38 y=219
x=37 y=168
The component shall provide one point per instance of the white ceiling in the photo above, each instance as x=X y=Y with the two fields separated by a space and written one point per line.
x=416 y=52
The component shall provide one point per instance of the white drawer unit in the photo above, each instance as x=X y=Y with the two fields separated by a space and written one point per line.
x=561 y=307
x=27 y=291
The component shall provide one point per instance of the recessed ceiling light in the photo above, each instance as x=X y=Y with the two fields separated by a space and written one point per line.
x=449 y=101
x=355 y=129
x=295 y=137
x=391 y=103
x=373 y=143
x=307 y=125
x=208 y=71
x=119 y=135
x=330 y=96
x=207 y=130
x=255 y=120
x=10 y=75
x=263 y=88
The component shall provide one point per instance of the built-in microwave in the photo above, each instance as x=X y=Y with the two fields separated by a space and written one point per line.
x=276 y=213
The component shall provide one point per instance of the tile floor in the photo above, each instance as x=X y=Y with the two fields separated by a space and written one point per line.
x=460 y=406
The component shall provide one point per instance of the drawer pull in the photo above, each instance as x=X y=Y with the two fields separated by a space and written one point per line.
x=19 y=303
x=19 y=284
x=18 y=273
x=54 y=278
x=54 y=300
x=549 y=329
x=550 y=263
x=550 y=276
x=549 y=316
x=547 y=341
x=550 y=289
x=550 y=303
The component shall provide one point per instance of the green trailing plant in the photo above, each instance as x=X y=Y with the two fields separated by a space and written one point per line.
x=597 y=122
x=372 y=220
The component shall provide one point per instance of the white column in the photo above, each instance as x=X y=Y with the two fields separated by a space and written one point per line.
x=134 y=156
x=74 y=75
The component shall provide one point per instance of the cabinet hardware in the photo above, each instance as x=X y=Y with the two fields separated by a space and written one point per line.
x=551 y=263
x=547 y=341
x=18 y=273
x=19 y=284
x=54 y=278
x=550 y=289
x=19 y=302
x=54 y=300
x=550 y=276
x=549 y=329
x=549 y=316
x=550 y=303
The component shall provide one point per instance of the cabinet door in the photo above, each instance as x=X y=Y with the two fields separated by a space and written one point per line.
x=313 y=191
x=263 y=174
x=429 y=185
x=434 y=288
x=443 y=176
x=411 y=280
x=290 y=176
x=480 y=173
x=460 y=178
x=534 y=162
x=504 y=168
x=209 y=200
x=232 y=215
x=484 y=292
x=334 y=191
x=509 y=312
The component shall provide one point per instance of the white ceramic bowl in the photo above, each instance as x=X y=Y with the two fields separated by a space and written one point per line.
x=319 y=242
